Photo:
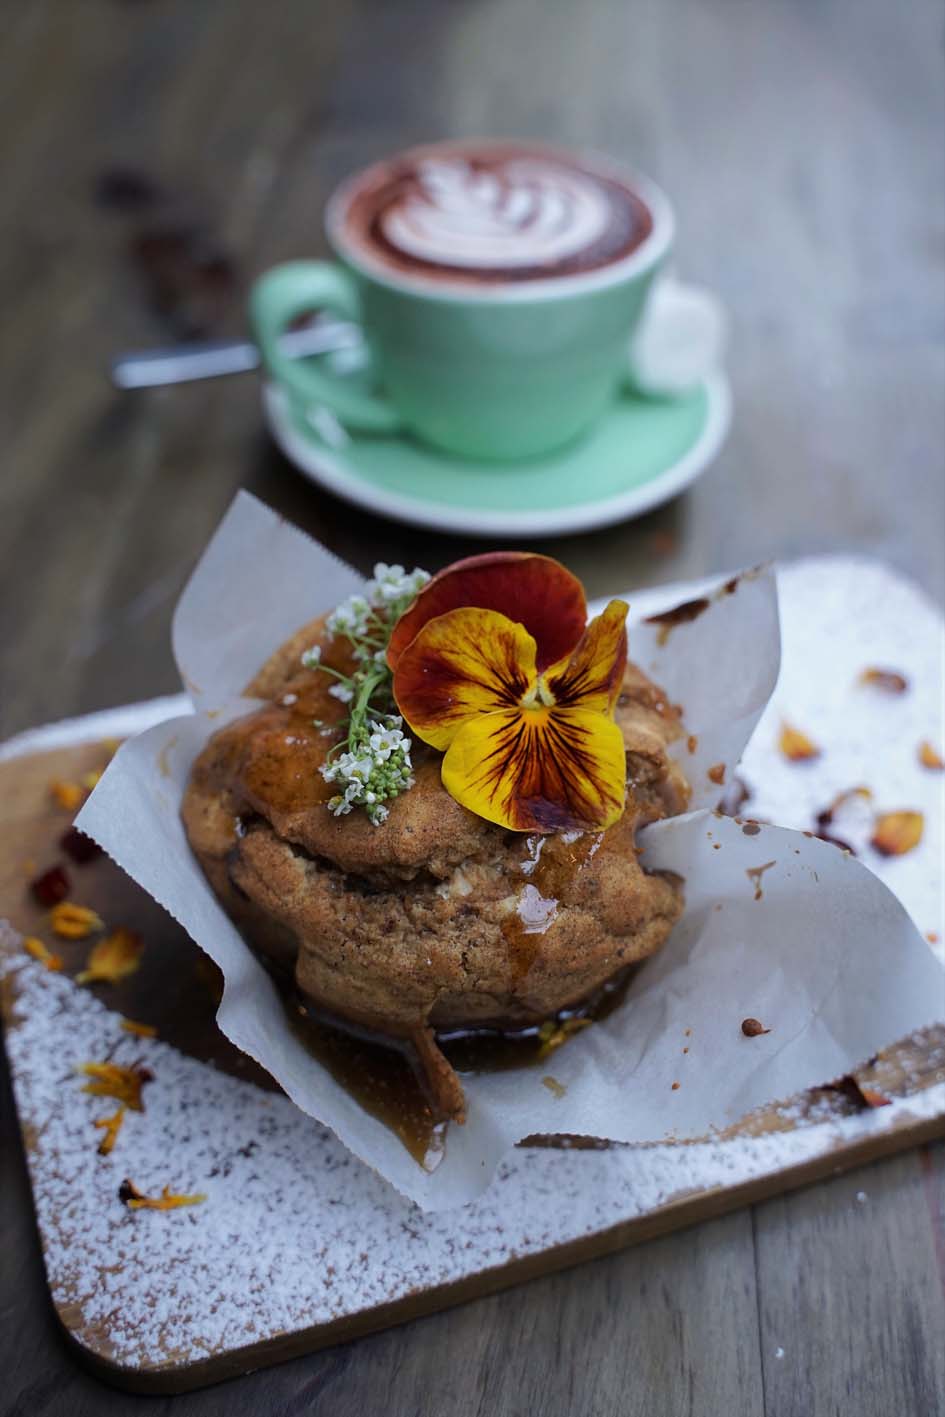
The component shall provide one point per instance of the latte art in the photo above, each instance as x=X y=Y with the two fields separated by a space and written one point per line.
x=488 y=213
x=525 y=213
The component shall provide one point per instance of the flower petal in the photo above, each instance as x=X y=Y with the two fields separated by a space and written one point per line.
x=542 y=769
x=592 y=675
x=535 y=590
x=463 y=664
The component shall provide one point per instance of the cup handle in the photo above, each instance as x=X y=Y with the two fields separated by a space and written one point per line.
x=297 y=288
x=679 y=341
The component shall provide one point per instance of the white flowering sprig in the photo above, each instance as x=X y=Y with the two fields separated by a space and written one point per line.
x=371 y=763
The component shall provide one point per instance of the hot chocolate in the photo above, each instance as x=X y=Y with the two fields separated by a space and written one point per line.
x=488 y=213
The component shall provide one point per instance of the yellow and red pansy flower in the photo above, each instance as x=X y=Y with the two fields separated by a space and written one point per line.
x=495 y=666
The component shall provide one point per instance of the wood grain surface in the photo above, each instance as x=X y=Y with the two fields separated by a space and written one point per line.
x=802 y=145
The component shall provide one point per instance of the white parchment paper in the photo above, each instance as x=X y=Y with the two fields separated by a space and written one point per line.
x=812 y=944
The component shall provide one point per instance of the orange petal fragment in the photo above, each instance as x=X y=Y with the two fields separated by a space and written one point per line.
x=895 y=833
x=929 y=758
x=591 y=676
x=74 y=922
x=140 y=1030
x=796 y=746
x=69 y=795
x=535 y=590
x=39 y=951
x=113 y=1080
x=539 y=769
x=130 y=1196
x=461 y=665
x=889 y=680
x=111 y=1127
x=113 y=958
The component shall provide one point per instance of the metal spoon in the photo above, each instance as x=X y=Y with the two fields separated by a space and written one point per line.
x=149 y=368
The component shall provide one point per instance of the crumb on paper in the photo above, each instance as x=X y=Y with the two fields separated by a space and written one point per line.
x=554 y=1086
x=675 y=1087
x=796 y=746
x=716 y=773
x=692 y=743
x=755 y=873
x=895 y=833
x=753 y=1028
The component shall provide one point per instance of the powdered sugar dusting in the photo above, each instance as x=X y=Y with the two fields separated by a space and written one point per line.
x=294 y=1232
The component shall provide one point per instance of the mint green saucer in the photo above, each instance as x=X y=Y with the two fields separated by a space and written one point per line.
x=643 y=452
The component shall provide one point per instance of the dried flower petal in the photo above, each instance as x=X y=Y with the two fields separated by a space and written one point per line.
x=929 y=758
x=140 y=1030
x=895 y=833
x=111 y=1127
x=74 y=922
x=51 y=887
x=889 y=680
x=796 y=746
x=113 y=958
x=79 y=847
x=753 y=1028
x=130 y=1196
x=68 y=795
x=39 y=951
x=112 y=1080
x=856 y=1093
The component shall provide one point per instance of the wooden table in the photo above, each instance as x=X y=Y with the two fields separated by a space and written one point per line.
x=803 y=147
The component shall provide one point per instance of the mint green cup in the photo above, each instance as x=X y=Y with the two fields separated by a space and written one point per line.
x=502 y=372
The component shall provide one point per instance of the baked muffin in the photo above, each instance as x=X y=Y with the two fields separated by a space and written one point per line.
x=431 y=918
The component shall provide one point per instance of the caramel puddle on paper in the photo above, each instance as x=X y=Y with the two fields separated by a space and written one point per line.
x=382 y=1079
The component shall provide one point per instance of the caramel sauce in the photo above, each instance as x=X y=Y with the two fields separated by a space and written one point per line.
x=551 y=865
x=381 y=1076
x=378 y=1075
x=270 y=759
x=679 y=615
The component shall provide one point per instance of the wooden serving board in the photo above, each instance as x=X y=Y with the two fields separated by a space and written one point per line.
x=297 y=1245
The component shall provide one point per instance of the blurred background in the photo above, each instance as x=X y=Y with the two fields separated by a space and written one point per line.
x=157 y=155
